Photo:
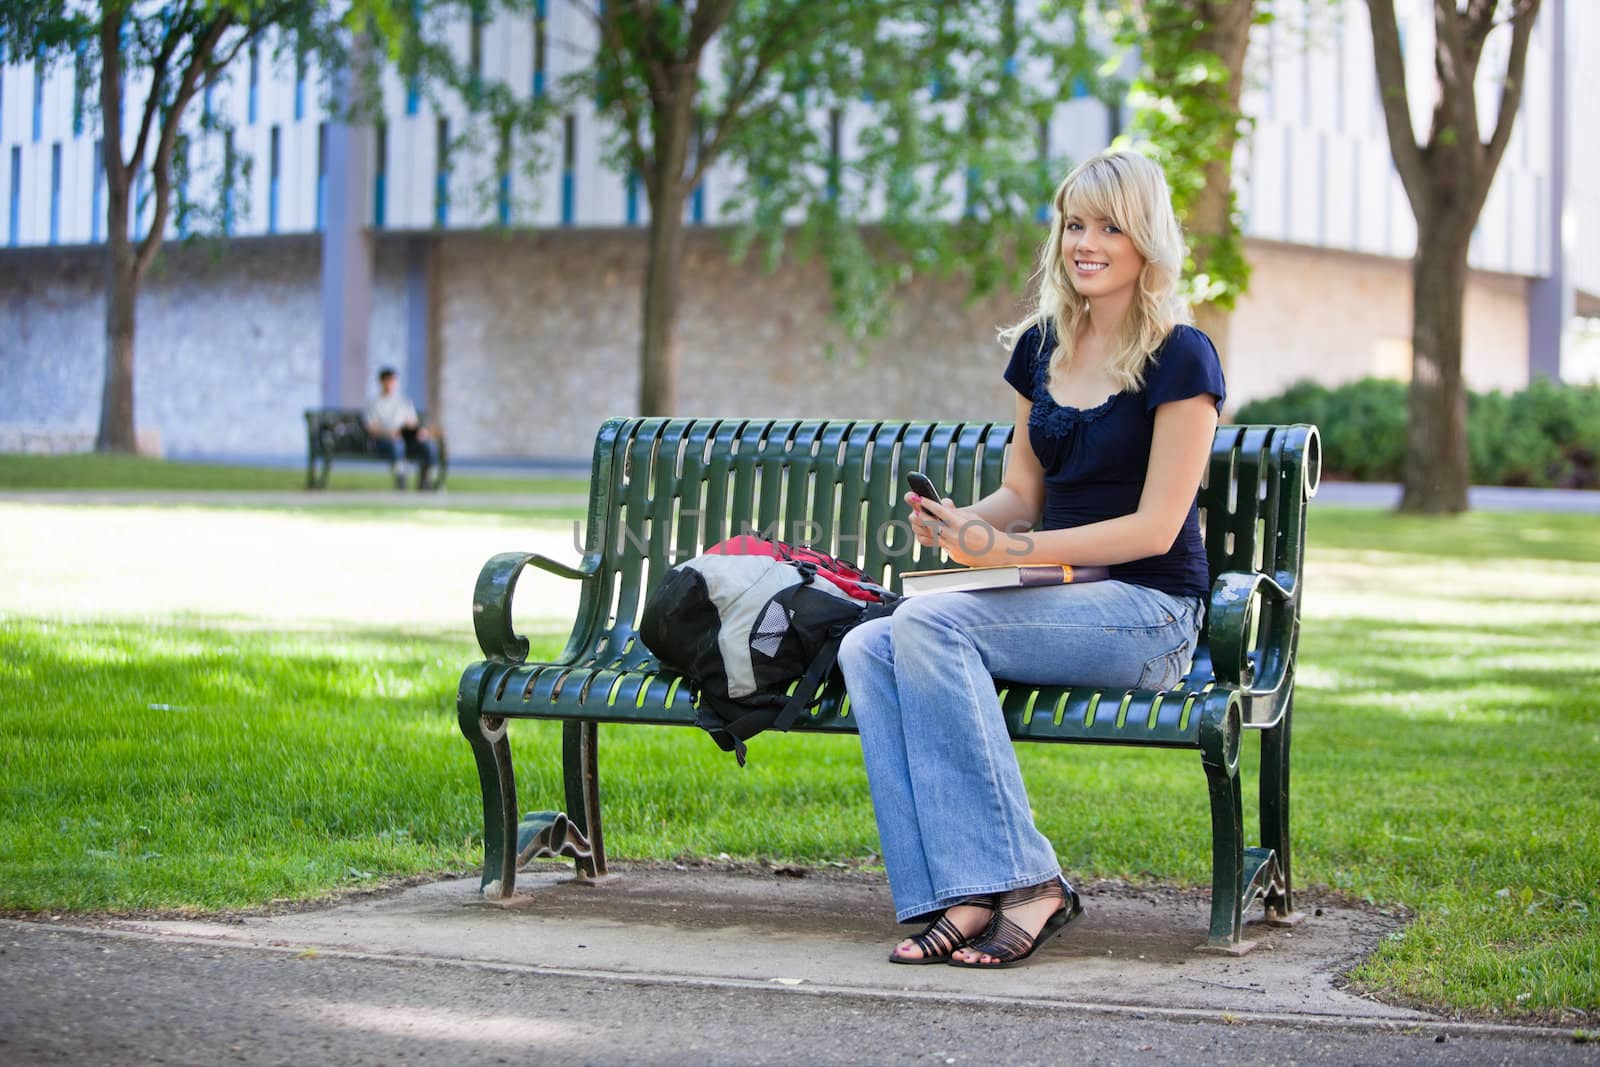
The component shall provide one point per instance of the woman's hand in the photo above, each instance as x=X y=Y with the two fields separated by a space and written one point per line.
x=965 y=536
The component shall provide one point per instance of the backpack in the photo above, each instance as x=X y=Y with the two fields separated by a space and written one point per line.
x=847 y=576
x=748 y=617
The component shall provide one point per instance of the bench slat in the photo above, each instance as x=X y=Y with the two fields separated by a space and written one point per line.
x=638 y=695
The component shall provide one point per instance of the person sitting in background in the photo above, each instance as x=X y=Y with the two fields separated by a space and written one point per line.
x=392 y=421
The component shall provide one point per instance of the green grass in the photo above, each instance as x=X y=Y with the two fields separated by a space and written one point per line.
x=92 y=472
x=1447 y=760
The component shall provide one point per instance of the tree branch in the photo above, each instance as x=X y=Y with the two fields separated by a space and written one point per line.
x=656 y=76
x=1391 y=71
x=611 y=33
x=205 y=44
x=1456 y=63
x=709 y=17
x=111 y=99
x=1511 y=94
x=1480 y=17
x=158 y=81
x=772 y=44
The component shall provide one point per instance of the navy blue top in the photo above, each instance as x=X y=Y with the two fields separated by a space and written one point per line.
x=1095 y=458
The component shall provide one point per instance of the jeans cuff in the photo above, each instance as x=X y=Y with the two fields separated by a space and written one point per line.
x=946 y=900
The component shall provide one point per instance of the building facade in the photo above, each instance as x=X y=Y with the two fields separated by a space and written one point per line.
x=511 y=302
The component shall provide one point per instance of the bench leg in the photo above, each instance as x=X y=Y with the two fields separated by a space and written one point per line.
x=1227 y=858
x=579 y=750
x=497 y=778
x=317 y=473
x=1275 y=818
x=1219 y=754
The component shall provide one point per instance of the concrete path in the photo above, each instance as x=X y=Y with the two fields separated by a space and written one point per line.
x=736 y=966
x=1479 y=497
x=1339 y=494
x=296 y=498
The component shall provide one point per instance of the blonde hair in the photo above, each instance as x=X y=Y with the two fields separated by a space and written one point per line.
x=1128 y=190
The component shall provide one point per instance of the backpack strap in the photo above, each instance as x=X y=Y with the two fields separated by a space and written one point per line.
x=804 y=697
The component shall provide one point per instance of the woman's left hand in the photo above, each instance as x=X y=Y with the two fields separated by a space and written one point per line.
x=969 y=539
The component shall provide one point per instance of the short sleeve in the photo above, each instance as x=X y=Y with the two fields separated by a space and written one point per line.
x=1020 y=371
x=1186 y=366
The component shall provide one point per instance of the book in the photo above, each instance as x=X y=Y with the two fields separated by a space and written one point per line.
x=966 y=579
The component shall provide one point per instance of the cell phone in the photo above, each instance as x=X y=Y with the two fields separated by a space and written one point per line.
x=923 y=486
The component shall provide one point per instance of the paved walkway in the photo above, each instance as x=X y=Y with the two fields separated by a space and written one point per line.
x=1342 y=494
x=298 y=498
x=1479 y=497
x=729 y=966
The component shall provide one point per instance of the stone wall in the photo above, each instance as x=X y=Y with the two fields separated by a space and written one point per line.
x=1336 y=316
x=228 y=348
x=535 y=340
x=539 y=344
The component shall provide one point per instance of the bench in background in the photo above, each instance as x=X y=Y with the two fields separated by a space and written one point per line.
x=341 y=433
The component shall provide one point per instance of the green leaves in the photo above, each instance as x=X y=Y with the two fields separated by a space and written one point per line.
x=1186 y=108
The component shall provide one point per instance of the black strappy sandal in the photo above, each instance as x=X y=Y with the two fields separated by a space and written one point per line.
x=940 y=939
x=1008 y=943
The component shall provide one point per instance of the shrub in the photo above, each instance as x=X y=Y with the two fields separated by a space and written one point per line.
x=1546 y=435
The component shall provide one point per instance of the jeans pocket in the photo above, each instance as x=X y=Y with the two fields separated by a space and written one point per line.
x=1164 y=671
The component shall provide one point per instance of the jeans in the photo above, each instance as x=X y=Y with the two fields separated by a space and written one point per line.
x=424 y=450
x=953 y=816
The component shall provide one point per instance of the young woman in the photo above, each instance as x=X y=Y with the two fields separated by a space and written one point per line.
x=1116 y=408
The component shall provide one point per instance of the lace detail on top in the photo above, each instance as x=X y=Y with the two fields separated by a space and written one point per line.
x=1054 y=418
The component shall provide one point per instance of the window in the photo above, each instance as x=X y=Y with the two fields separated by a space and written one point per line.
x=97 y=197
x=180 y=168
x=38 y=96
x=539 y=47
x=229 y=165
x=80 y=84
x=697 y=199
x=16 y=192
x=1043 y=214
x=380 y=172
x=299 y=80
x=55 y=193
x=441 y=180
x=503 y=204
x=835 y=137
x=255 y=80
x=136 y=209
x=475 y=44
x=322 y=169
x=274 y=172
x=569 y=166
x=413 y=83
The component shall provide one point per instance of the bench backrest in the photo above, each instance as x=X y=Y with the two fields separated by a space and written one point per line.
x=663 y=490
x=342 y=431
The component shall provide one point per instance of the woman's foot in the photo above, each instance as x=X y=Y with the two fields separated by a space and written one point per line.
x=1024 y=920
x=954 y=927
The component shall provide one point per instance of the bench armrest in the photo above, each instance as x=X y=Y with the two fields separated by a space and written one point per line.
x=1231 y=621
x=491 y=599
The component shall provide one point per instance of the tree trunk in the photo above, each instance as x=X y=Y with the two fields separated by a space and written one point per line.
x=1227 y=36
x=658 y=351
x=658 y=344
x=1437 y=469
x=122 y=293
x=1215 y=321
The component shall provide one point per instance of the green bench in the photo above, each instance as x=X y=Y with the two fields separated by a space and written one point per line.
x=341 y=433
x=663 y=489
